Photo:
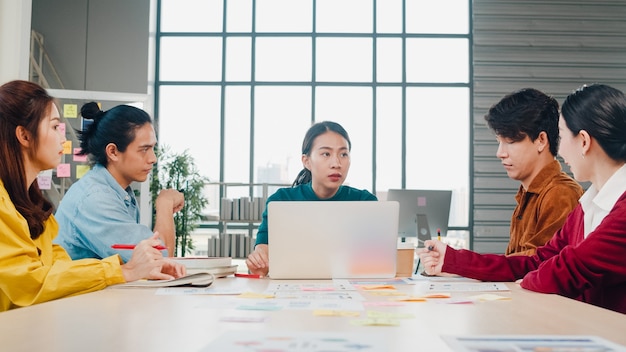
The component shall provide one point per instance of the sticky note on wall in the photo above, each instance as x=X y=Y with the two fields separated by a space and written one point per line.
x=67 y=147
x=70 y=111
x=63 y=170
x=81 y=170
x=79 y=158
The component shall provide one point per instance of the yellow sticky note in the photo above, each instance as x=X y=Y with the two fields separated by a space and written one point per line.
x=388 y=315
x=67 y=147
x=81 y=170
x=335 y=313
x=386 y=293
x=490 y=297
x=70 y=111
x=254 y=295
x=411 y=299
x=375 y=322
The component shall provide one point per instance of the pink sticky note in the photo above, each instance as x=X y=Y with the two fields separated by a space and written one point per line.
x=421 y=201
x=62 y=127
x=63 y=170
x=80 y=158
x=44 y=181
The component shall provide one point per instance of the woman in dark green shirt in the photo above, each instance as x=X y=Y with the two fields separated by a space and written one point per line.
x=326 y=159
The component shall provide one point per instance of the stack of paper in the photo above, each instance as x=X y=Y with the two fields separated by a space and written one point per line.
x=218 y=266
x=192 y=280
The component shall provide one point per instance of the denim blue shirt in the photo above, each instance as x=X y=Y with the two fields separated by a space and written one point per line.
x=95 y=213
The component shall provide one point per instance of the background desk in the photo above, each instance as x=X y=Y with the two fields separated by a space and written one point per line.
x=139 y=320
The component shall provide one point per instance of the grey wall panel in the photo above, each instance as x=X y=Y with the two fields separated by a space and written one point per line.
x=492 y=232
x=483 y=134
x=493 y=198
x=95 y=44
x=487 y=184
x=489 y=165
x=63 y=25
x=551 y=45
x=497 y=245
x=490 y=214
x=117 y=51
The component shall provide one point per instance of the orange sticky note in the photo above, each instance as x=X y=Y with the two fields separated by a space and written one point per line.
x=378 y=287
x=411 y=299
x=335 y=313
x=437 y=295
x=67 y=147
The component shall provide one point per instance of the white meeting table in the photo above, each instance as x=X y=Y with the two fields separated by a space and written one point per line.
x=140 y=320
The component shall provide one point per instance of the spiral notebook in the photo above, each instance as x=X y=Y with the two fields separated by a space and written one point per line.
x=332 y=239
x=204 y=279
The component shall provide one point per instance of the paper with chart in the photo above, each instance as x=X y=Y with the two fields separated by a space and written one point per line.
x=466 y=286
x=235 y=341
x=514 y=343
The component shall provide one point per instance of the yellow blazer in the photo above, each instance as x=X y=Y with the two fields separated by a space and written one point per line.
x=35 y=271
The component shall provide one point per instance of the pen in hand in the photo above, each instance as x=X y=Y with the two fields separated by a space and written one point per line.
x=431 y=247
x=132 y=246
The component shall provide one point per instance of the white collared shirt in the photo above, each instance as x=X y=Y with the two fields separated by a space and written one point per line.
x=597 y=205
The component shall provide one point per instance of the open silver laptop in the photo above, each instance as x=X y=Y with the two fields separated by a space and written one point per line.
x=332 y=239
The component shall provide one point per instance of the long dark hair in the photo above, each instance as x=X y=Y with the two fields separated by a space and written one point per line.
x=23 y=104
x=317 y=129
x=601 y=111
x=117 y=125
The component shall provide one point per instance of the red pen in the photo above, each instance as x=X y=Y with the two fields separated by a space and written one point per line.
x=249 y=276
x=132 y=246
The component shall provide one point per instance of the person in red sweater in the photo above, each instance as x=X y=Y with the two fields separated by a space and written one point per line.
x=585 y=258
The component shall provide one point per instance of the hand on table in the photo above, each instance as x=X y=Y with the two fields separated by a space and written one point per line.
x=147 y=262
x=258 y=260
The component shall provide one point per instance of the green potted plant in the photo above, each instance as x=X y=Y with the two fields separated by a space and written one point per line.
x=179 y=171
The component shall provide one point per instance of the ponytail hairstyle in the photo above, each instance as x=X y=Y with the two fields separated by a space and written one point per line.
x=601 y=111
x=309 y=138
x=23 y=104
x=117 y=125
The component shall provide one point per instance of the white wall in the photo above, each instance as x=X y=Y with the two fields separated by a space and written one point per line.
x=14 y=39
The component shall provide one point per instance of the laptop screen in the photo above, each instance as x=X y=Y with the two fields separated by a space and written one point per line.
x=332 y=239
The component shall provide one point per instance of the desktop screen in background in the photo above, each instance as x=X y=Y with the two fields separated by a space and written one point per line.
x=428 y=210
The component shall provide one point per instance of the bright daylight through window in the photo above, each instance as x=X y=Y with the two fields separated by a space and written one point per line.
x=239 y=82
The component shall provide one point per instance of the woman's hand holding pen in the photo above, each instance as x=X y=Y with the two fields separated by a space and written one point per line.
x=258 y=260
x=147 y=262
x=432 y=256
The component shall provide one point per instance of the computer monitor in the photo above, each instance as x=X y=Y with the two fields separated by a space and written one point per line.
x=428 y=210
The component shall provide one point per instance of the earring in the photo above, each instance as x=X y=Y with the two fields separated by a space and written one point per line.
x=583 y=155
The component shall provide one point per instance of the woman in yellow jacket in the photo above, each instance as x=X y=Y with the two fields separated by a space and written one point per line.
x=32 y=269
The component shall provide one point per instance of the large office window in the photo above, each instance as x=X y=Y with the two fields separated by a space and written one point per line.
x=239 y=82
